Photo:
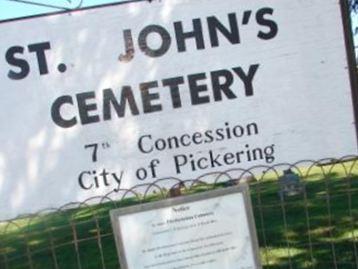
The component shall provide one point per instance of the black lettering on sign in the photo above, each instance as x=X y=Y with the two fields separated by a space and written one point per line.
x=85 y=108
x=40 y=49
x=182 y=36
x=201 y=88
x=216 y=26
x=56 y=112
x=262 y=20
x=193 y=32
x=222 y=86
x=110 y=100
x=148 y=97
x=164 y=36
x=196 y=89
x=14 y=59
x=173 y=84
x=129 y=47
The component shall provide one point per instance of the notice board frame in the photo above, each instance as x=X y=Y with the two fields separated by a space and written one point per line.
x=242 y=188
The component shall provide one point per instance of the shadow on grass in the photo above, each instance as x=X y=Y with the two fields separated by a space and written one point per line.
x=314 y=229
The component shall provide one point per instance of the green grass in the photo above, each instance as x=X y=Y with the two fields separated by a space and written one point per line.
x=310 y=230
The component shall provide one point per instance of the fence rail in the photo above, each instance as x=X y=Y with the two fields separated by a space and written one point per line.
x=306 y=217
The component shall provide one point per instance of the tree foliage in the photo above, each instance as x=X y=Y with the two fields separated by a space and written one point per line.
x=353 y=5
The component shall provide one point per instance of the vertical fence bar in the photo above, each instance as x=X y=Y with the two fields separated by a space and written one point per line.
x=308 y=223
x=99 y=242
x=262 y=222
x=5 y=261
x=2 y=246
x=52 y=244
x=75 y=241
x=351 y=215
x=28 y=251
x=283 y=209
x=328 y=204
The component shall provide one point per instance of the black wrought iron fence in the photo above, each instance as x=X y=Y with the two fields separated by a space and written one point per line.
x=306 y=217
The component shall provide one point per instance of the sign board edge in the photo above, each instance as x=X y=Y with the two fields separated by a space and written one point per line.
x=351 y=61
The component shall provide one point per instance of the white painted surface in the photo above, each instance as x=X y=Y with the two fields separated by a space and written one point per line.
x=207 y=234
x=301 y=103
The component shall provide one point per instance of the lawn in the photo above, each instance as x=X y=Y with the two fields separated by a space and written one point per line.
x=317 y=228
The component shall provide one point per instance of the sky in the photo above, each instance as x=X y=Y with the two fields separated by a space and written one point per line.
x=355 y=30
x=11 y=9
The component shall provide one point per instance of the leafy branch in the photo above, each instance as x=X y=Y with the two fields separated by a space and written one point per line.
x=353 y=5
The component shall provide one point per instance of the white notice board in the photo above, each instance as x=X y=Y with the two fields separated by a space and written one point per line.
x=207 y=231
x=115 y=96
